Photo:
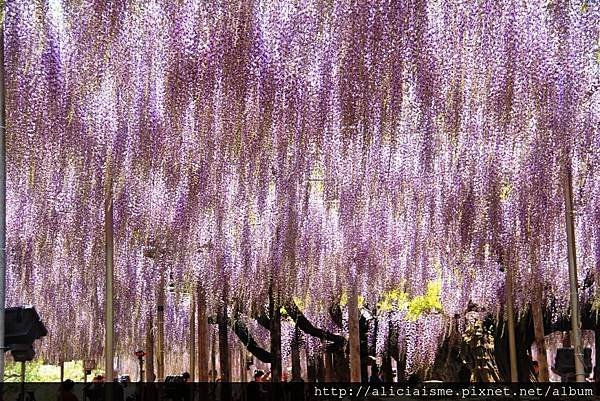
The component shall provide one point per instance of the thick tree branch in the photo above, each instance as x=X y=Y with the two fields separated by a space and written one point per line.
x=240 y=330
x=263 y=319
x=306 y=326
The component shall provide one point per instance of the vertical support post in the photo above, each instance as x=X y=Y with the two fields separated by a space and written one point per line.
x=510 y=316
x=213 y=359
x=203 y=340
x=22 y=393
x=311 y=367
x=275 y=316
x=141 y=374
x=62 y=371
x=538 y=318
x=109 y=250
x=150 y=377
x=224 y=352
x=192 y=369
x=328 y=366
x=540 y=342
x=2 y=201
x=160 y=322
x=243 y=377
x=232 y=364
x=575 y=324
x=354 y=333
x=296 y=367
x=224 y=344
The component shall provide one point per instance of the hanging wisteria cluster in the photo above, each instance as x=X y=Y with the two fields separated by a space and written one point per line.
x=296 y=146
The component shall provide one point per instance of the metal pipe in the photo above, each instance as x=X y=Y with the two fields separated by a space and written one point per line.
x=2 y=201
x=575 y=325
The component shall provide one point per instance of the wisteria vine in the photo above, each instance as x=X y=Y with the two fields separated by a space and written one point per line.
x=295 y=144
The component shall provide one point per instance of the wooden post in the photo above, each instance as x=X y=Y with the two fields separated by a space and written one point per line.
x=538 y=320
x=538 y=327
x=311 y=368
x=275 y=316
x=341 y=367
x=160 y=323
x=22 y=395
x=232 y=364
x=223 y=345
x=192 y=368
x=572 y=255
x=320 y=369
x=62 y=371
x=328 y=366
x=354 y=334
x=203 y=342
x=296 y=368
x=224 y=352
x=401 y=365
x=150 y=377
x=388 y=374
x=108 y=293
x=213 y=357
x=510 y=316
x=203 y=345
x=597 y=353
x=243 y=377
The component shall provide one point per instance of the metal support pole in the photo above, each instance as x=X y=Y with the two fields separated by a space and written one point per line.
x=575 y=325
x=109 y=319
x=510 y=315
x=2 y=200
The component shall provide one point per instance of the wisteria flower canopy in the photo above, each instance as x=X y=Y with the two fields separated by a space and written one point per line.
x=296 y=145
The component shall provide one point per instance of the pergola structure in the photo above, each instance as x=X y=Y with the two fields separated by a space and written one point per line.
x=297 y=157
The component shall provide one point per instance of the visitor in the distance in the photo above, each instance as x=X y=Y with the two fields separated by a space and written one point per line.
x=375 y=375
x=66 y=391
x=255 y=391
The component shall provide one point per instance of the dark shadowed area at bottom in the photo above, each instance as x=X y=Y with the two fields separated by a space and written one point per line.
x=294 y=391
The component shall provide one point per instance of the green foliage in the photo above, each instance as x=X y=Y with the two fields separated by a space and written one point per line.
x=397 y=300
x=344 y=300
x=505 y=191
x=428 y=303
x=37 y=371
